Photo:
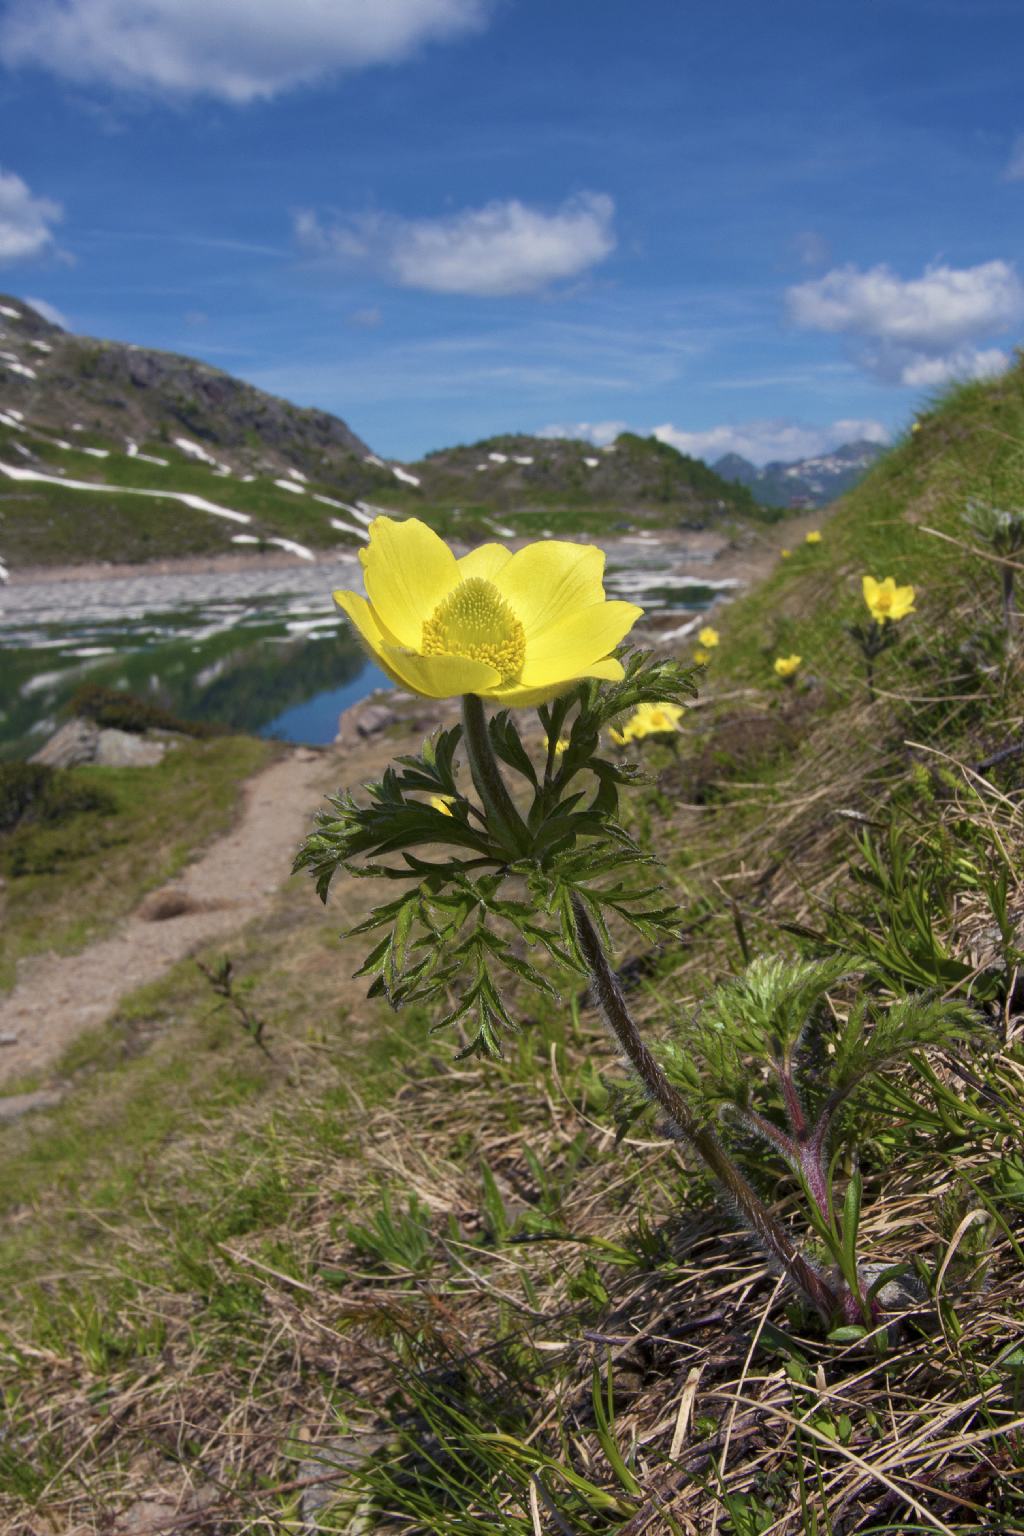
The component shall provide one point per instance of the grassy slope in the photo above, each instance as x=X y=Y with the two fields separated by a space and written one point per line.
x=79 y=877
x=44 y=524
x=219 y=1307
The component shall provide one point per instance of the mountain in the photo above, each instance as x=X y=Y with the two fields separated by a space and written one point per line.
x=803 y=482
x=113 y=452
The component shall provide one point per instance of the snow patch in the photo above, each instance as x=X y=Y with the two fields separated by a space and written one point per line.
x=371 y=458
x=297 y=474
x=343 y=506
x=498 y=458
x=198 y=503
x=97 y=453
x=12 y=314
x=340 y=527
x=85 y=651
x=521 y=459
x=294 y=549
x=244 y=538
x=289 y=485
x=404 y=475
x=591 y=463
x=21 y=368
x=41 y=346
x=198 y=452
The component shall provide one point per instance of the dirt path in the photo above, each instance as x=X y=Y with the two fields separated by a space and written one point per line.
x=59 y=996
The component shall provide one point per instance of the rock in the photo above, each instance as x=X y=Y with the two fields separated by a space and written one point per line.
x=363 y=721
x=125 y=749
x=18 y=1104
x=74 y=743
x=9 y=1039
x=344 y=1454
x=82 y=741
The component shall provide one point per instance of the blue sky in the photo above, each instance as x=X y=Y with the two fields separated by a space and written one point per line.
x=753 y=227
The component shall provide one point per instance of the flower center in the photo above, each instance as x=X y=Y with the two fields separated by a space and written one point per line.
x=475 y=621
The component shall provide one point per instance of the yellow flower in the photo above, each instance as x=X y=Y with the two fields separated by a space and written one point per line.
x=652 y=719
x=784 y=554
x=442 y=803
x=916 y=427
x=886 y=600
x=701 y=656
x=620 y=738
x=561 y=745
x=814 y=537
x=708 y=637
x=785 y=666
x=518 y=628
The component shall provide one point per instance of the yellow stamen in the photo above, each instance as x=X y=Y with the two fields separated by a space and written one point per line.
x=475 y=621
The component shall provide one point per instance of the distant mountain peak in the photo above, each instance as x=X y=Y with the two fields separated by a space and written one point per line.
x=812 y=481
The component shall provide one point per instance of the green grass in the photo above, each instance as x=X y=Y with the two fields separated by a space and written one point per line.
x=70 y=883
x=497 y=1266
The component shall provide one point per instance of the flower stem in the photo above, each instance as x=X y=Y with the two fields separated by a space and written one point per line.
x=700 y=1137
x=502 y=815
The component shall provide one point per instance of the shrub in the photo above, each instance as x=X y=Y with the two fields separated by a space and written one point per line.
x=34 y=792
x=121 y=711
x=21 y=786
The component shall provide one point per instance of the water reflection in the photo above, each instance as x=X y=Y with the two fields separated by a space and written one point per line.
x=263 y=651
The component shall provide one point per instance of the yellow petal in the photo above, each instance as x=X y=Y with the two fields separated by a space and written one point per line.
x=518 y=696
x=902 y=603
x=407 y=570
x=439 y=677
x=356 y=608
x=485 y=561
x=567 y=648
x=547 y=581
x=869 y=586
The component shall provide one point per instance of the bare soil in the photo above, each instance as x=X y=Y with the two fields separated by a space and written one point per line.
x=56 y=997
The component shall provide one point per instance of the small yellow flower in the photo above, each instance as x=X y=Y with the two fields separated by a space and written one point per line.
x=916 y=427
x=708 y=637
x=655 y=719
x=620 y=738
x=886 y=600
x=784 y=554
x=786 y=666
x=443 y=803
x=814 y=537
x=701 y=656
x=561 y=745
x=517 y=628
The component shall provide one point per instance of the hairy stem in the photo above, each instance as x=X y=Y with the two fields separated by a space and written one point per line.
x=700 y=1137
x=490 y=786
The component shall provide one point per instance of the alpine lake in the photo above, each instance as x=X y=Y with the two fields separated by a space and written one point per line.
x=261 y=649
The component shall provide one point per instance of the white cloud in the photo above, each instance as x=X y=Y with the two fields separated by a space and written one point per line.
x=501 y=249
x=1015 y=165
x=238 y=50
x=767 y=440
x=26 y=221
x=600 y=433
x=49 y=312
x=917 y=331
x=965 y=363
